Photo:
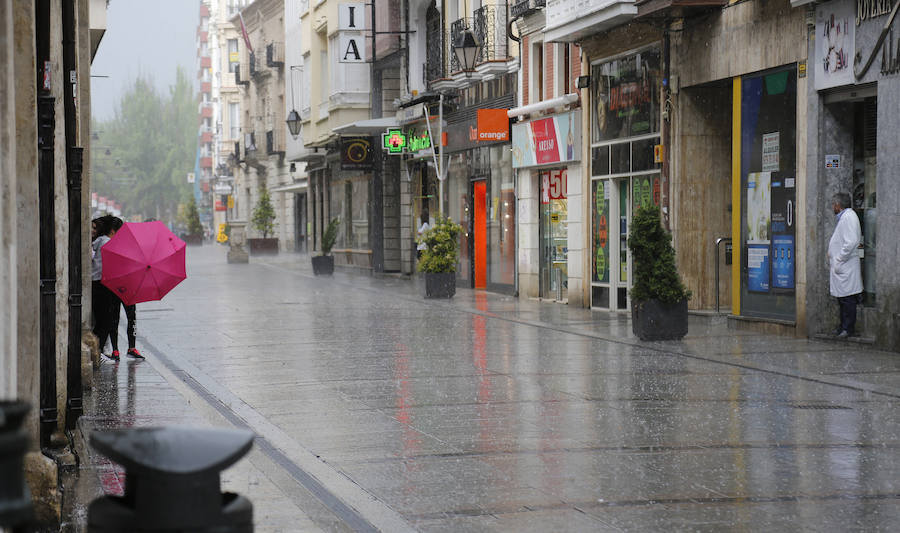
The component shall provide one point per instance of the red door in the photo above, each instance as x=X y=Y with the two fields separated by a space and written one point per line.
x=479 y=196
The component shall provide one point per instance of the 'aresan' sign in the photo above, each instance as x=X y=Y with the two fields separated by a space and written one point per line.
x=351 y=42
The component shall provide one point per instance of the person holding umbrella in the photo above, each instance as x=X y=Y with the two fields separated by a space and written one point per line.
x=130 y=314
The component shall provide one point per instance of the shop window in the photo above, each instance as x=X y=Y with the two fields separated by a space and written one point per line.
x=625 y=96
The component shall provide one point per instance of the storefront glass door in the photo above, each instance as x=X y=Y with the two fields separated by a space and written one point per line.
x=554 y=234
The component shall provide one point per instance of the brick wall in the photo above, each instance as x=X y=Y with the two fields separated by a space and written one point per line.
x=526 y=55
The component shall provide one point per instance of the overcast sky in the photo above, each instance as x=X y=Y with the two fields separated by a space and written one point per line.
x=143 y=37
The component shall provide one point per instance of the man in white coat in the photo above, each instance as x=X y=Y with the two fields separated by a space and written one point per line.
x=843 y=261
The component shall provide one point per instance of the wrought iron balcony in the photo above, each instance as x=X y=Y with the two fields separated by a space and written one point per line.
x=435 y=66
x=275 y=142
x=241 y=76
x=275 y=55
x=489 y=25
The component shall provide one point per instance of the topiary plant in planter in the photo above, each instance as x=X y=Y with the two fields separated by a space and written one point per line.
x=323 y=264
x=440 y=258
x=658 y=297
x=263 y=221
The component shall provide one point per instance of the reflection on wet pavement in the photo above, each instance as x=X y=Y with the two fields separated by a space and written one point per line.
x=490 y=413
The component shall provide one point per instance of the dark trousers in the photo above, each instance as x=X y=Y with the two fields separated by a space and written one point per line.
x=847 y=305
x=131 y=328
x=106 y=309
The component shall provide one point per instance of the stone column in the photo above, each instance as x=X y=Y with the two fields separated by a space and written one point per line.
x=8 y=315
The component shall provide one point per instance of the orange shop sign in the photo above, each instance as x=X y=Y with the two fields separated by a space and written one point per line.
x=493 y=125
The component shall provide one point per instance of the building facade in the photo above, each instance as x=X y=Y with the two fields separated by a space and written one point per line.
x=45 y=58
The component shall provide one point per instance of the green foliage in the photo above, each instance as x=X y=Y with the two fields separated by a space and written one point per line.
x=191 y=218
x=653 y=257
x=441 y=253
x=153 y=138
x=330 y=236
x=264 y=214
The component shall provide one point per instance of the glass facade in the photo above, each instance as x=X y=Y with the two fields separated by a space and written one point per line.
x=488 y=172
x=349 y=201
x=625 y=125
x=768 y=194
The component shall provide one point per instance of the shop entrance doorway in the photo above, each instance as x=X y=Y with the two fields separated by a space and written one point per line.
x=300 y=222
x=554 y=235
x=479 y=231
x=852 y=153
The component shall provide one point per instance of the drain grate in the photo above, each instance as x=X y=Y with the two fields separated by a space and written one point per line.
x=820 y=406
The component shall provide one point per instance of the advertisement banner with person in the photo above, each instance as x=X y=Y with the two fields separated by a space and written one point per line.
x=759 y=212
x=547 y=140
x=625 y=96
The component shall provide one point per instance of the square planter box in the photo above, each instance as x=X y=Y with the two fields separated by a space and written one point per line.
x=440 y=284
x=263 y=246
x=653 y=320
x=323 y=265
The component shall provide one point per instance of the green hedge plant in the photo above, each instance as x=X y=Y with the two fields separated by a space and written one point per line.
x=653 y=260
x=441 y=253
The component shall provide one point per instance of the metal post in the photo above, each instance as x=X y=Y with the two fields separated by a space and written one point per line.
x=74 y=161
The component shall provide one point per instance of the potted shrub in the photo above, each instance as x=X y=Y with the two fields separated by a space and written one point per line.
x=263 y=221
x=658 y=297
x=193 y=228
x=440 y=257
x=323 y=265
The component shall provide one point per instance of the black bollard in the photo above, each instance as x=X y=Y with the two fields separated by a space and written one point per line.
x=15 y=499
x=172 y=481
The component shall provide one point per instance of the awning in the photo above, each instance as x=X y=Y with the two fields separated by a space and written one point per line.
x=367 y=127
x=297 y=186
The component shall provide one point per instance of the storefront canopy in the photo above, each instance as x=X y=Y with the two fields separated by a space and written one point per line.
x=367 y=127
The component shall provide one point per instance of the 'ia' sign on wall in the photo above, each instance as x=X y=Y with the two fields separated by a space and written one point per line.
x=351 y=42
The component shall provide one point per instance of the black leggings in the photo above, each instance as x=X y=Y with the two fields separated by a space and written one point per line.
x=106 y=312
x=130 y=329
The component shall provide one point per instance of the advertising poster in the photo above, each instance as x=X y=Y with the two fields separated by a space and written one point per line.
x=782 y=229
x=600 y=231
x=547 y=140
x=783 y=261
x=759 y=213
x=835 y=44
x=626 y=96
x=770 y=145
x=758 y=267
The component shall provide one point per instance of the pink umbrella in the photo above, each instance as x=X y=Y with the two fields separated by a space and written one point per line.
x=143 y=262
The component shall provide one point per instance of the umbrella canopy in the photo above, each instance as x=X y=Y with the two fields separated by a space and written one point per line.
x=143 y=262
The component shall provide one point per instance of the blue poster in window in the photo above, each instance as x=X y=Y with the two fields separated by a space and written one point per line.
x=783 y=261
x=758 y=267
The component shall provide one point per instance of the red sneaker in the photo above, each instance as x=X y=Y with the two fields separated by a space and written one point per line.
x=114 y=355
x=133 y=352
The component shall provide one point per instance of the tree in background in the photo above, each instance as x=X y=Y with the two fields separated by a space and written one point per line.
x=264 y=214
x=142 y=156
x=190 y=217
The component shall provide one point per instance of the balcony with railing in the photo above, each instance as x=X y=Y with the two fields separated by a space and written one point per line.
x=242 y=74
x=254 y=68
x=489 y=26
x=250 y=151
x=275 y=142
x=275 y=55
x=435 y=48
x=526 y=7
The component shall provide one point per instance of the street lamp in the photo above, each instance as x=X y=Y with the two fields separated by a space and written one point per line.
x=466 y=48
x=293 y=118
x=293 y=123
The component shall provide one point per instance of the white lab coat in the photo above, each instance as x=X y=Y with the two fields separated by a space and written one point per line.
x=843 y=256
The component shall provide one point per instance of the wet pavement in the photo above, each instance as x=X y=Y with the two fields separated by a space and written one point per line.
x=376 y=409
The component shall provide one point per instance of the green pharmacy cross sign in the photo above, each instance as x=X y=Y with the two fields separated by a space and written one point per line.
x=394 y=141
